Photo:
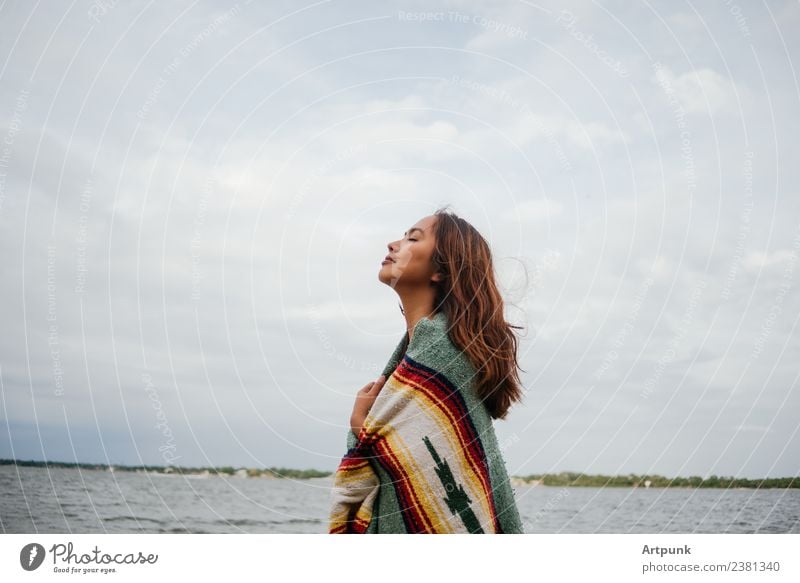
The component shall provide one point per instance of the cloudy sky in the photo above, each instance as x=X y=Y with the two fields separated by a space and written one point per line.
x=195 y=199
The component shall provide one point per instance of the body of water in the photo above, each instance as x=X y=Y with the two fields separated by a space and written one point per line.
x=40 y=500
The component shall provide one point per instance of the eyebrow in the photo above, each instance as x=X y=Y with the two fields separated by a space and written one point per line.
x=414 y=229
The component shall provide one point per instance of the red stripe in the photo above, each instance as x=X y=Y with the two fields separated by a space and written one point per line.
x=451 y=403
x=410 y=505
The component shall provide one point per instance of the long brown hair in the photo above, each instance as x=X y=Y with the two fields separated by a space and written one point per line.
x=468 y=295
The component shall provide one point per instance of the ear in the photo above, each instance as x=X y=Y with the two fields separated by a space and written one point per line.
x=436 y=277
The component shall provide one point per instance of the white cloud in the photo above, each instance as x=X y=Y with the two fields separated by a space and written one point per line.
x=700 y=91
x=534 y=210
x=755 y=261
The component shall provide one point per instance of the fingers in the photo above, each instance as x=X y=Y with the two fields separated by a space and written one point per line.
x=375 y=385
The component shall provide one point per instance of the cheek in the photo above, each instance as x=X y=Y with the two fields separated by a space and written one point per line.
x=422 y=255
x=419 y=263
x=416 y=257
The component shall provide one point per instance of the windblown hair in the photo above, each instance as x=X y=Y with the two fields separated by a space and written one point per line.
x=468 y=295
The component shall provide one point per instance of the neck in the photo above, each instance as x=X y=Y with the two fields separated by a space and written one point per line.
x=417 y=304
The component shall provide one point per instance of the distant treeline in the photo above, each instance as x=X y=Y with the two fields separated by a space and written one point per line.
x=226 y=470
x=656 y=481
x=562 y=479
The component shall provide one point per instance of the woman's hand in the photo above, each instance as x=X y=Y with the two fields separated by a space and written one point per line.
x=364 y=400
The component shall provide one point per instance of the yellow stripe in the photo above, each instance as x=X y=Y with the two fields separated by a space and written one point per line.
x=338 y=520
x=467 y=472
x=350 y=470
x=349 y=478
x=364 y=513
x=434 y=507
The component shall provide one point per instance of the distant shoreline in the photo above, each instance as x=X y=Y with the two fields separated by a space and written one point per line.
x=563 y=479
x=273 y=473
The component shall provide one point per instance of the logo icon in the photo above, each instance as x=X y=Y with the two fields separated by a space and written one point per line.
x=31 y=556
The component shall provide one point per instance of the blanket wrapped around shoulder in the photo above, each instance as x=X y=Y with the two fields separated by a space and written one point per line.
x=426 y=459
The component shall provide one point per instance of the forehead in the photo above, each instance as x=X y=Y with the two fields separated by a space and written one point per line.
x=422 y=225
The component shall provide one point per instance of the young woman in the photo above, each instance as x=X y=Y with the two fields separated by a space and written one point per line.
x=422 y=455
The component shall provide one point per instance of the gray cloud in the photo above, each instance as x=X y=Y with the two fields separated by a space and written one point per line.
x=194 y=203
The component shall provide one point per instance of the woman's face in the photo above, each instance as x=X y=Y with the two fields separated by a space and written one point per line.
x=411 y=255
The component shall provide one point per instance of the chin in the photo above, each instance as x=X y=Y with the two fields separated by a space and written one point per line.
x=386 y=277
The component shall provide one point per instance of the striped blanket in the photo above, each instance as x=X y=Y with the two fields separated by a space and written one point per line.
x=426 y=459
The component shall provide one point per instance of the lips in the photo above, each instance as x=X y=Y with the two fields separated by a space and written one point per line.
x=387 y=258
